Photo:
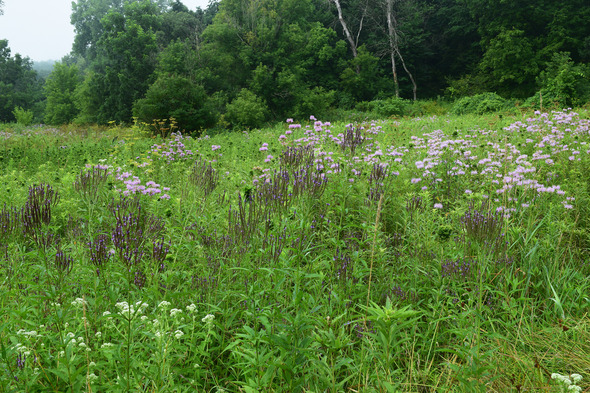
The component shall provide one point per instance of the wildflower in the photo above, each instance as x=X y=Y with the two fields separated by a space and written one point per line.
x=164 y=304
x=438 y=206
x=92 y=378
x=178 y=334
x=79 y=302
x=576 y=378
x=191 y=308
x=175 y=311
x=208 y=319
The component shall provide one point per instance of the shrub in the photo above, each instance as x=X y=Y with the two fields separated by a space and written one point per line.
x=479 y=104
x=393 y=106
x=315 y=102
x=23 y=117
x=562 y=84
x=174 y=96
x=246 y=110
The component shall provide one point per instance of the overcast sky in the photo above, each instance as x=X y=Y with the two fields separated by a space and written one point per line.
x=41 y=29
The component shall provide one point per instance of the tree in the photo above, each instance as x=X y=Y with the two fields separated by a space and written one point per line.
x=178 y=97
x=126 y=55
x=393 y=37
x=19 y=85
x=353 y=42
x=59 y=90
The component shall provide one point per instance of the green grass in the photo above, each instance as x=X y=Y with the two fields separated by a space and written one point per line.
x=322 y=269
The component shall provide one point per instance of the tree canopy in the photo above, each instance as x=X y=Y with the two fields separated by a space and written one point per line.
x=300 y=57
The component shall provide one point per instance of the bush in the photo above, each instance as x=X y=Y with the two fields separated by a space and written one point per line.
x=480 y=104
x=315 y=102
x=393 y=106
x=174 y=96
x=562 y=84
x=428 y=108
x=246 y=110
x=23 y=117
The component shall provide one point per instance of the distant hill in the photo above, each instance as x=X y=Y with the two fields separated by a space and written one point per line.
x=43 y=68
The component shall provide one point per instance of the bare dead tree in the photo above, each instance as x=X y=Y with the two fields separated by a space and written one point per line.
x=394 y=40
x=351 y=41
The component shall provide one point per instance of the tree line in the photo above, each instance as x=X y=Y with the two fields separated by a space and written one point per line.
x=244 y=62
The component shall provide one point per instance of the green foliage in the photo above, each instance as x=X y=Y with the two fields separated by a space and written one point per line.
x=177 y=97
x=480 y=104
x=381 y=256
x=19 y=85
x=360 y=78
x=60 y=87
x=125 y=61
x=316 y=102
x=510 y=62
x=393 y=106
x=563 y=84
x=246 y=110
x=23 y=116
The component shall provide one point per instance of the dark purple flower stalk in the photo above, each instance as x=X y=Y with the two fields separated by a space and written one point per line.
x=89 y=182
x=461 y=269
x=99 y=253
x=483 y=224
x=139 y=279
x=37 y=209
x=414 y=204
x=295 y=158
x=63 y=263
x=204 y=176
x=20 y=361
x=160 y=250
x=352 y=139
x=9 y=221
x=376 y=182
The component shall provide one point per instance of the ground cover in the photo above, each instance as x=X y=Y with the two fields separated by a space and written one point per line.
x=443 y=253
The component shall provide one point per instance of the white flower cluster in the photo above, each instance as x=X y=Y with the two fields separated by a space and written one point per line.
x=23 y=332
x=79 y=302
x=130 y=310
x=22 y=349
x=191 y=308
x=208 y=319
x=164 y=304
x=568 y=382
x=175 y=311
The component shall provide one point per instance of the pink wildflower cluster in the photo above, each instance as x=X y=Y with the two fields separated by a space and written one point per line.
x=172 y=150
x=132 y=185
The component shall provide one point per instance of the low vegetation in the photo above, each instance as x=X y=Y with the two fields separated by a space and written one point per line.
x=442 y=253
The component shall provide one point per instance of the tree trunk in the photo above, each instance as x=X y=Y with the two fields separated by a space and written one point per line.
x=351 y=41
x=391 y=31
x=394 y=48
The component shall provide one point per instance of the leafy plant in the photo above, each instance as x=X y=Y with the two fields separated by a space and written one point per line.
x=23 y=116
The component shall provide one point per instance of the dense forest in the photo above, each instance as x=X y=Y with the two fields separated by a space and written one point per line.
x=245 y=62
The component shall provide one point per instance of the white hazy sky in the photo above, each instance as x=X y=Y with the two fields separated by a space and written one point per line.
x=41 y=29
